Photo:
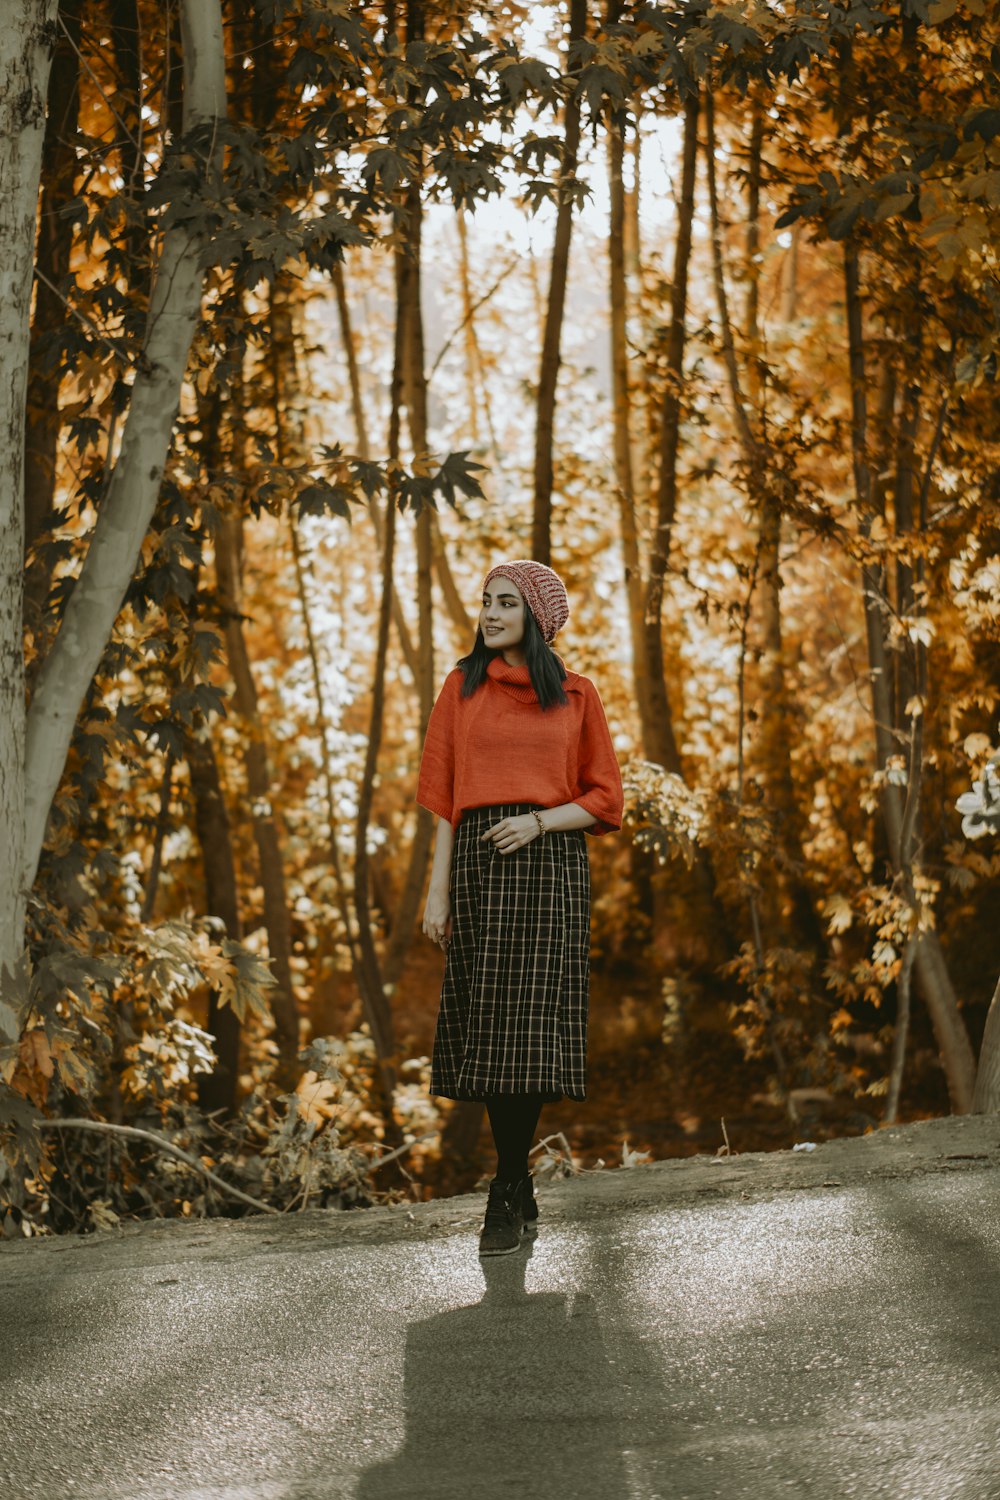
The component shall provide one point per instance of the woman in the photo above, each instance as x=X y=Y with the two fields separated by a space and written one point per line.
x=517 y=764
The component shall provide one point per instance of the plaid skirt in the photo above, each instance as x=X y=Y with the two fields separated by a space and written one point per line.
x=513 y=1014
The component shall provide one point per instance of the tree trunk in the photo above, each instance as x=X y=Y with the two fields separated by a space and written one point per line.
x=130 y=500
x=478 y=385
x=287 y=401
x=24 y=74
x=473 y=365
x=55 y=238
x=415 y=388
x=906 y=437
x=774 y=737
x=929 y=963
x=159 y=839
x=228 y=549
x=216 y=1090
x=644 y=437
x=661 y=746
x=986 y=1099
x=621 y=408
x=126 y=36
x=790 y=278
x=548 y=375
x=374 y=996
x=364 y=451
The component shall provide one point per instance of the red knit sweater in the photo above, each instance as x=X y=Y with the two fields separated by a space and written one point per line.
x=501 y=746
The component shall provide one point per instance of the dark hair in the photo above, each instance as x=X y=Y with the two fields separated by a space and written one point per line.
x=544 y=667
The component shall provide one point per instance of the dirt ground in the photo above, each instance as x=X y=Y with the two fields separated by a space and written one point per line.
x=962 y=1143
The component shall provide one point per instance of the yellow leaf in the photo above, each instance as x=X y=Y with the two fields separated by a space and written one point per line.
x=36 y=1054
x=317 y=1098
x=73 y=1070
x=884 y=954
x=102 y=1215
x=976 y=745
x=838 y=914
x=920 y=629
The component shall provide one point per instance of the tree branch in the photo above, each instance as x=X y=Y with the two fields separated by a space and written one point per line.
x=162 y=1144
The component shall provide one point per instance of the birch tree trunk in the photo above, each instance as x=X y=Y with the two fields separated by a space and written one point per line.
x=128 y=505
x=25 y=38
x=548 y=375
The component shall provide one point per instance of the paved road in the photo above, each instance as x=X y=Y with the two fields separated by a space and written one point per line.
x=841 y=1342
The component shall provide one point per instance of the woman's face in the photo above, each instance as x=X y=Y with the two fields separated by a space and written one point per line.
x=501 y=618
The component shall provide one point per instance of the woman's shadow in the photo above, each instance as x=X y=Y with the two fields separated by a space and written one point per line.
x=514 y=1394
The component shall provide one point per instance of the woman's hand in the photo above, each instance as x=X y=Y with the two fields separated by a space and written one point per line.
x=513 y=833
x=437 y=917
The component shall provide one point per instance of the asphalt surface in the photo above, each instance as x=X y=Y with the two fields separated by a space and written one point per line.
x=843 y=1341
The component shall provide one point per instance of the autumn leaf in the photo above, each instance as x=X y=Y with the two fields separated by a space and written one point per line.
x=317 y=1098
x=838 y=913
x=74 y=1071
x=976 y=745
x=36 y=1055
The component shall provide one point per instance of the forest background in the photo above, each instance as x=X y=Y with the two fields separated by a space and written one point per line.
x=311 y=313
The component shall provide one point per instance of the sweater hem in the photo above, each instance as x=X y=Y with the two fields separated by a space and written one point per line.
x=438 y=810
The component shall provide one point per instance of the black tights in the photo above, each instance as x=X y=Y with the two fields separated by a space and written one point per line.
x=513 y=1120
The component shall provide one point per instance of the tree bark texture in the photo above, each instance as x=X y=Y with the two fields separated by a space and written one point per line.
x=548 y=375
x=130 y=500
x=25 y=59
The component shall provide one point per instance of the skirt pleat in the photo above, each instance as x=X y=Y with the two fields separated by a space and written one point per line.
x=513 y=1014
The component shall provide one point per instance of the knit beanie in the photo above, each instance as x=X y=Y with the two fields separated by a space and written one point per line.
x=543 y=590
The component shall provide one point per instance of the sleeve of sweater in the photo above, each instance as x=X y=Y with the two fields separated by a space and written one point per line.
x=598 y=776
x=436 y=781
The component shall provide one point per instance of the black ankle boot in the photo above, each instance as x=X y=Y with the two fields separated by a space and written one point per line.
x=503 y=1226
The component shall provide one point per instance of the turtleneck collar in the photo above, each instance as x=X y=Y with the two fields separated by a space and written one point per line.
x=514 y=680
x=517 y=680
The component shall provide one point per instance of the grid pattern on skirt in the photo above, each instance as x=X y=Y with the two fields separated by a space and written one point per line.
x=513 y=1013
